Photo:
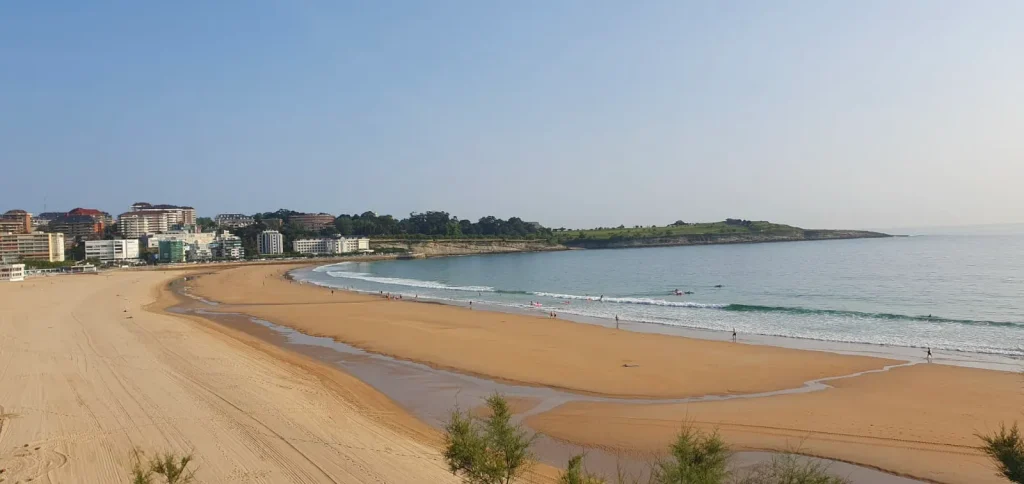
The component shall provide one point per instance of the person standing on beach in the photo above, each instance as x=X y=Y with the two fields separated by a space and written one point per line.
x=734 y=334
x=616 y=320
x=929 y=355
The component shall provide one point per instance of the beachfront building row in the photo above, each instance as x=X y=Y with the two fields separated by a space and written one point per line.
x=188 y=236
x=12 y=272
x=270 y=242
x=331 y=245
x=233 y=220
x=133 y=225
x=227 y=246
x=120 y=250
x=171 y=251
x=33 y=246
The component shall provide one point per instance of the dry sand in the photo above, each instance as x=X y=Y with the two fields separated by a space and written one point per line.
x=523 y=349
x=918 y=421
x=82 y=382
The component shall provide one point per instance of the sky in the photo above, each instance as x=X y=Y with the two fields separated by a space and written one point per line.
x=570 y=113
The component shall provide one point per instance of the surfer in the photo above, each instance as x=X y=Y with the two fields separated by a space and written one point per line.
x=718 y=285
x=678 y=292
x=601 y=299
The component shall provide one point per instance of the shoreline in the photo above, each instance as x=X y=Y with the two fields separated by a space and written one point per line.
x=988 y=361
x=428 y=392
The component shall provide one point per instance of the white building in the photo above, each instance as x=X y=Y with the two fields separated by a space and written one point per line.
x=112 y=250
x=270 y=242
x=152 y=241
x=133 y=225
x=175 y=214
x=12 y=272
x=339 y=245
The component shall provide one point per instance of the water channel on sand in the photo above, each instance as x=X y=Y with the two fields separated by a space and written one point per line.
x=430 y=393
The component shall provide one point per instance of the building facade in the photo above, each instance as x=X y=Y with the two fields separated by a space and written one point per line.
x=227 y=247
x=112 y=250
x=133 y=225
x=16 y=222
x=12 y=272
x=75 y=226
x=171 y=251
x=44 y=219
x=331 y=245
x=311 y=221
x=233 y=220
x=152 y=241
x=270 y=242
x=175 y=214
x=34 y=246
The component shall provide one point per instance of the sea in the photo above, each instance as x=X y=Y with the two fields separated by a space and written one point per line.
x=954 y=290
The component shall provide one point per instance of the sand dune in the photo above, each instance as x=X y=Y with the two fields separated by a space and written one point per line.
x=83 y=381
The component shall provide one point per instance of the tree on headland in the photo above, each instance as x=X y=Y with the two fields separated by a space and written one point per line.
x=1006 y=449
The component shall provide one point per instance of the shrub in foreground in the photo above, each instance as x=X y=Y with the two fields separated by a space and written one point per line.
x=490 y=450
x=1006 y=448
x=789 y=469
x=172 y=468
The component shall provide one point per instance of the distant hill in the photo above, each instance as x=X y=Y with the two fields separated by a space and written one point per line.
x=730 y=231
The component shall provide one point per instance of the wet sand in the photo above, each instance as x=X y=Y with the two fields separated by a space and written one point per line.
x=524 y=349
x=918 y=421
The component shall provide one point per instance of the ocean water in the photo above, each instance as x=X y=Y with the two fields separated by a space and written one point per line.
x=957 y=292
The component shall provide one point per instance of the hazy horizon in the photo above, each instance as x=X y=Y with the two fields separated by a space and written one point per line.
x=577 y=113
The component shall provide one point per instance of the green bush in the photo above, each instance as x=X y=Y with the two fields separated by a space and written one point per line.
x=490 y=450
x=1006 y=448
x=170 y=466
x=694 y=458
x=789 y=469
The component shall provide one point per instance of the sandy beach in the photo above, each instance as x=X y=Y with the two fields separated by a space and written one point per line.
x=918 y=421
x=87 y=374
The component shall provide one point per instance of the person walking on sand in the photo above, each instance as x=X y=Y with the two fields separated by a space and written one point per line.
x=929 y=355
x=616 y=320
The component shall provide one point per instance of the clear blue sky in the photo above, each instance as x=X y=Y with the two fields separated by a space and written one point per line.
x=570 y=113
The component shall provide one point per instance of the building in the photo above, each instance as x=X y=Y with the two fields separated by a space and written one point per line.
x=44 y=219
x=34 y=246
x=171 y=251
x=227 y=247
x=233 y=220
x=311 y=221
x=16 y=222
x=175 y=214
x=189 y=237
x=270 y=242
x=331 y=245
x=101 y=216
x=75 y=226
x=12 y=272
x=133 y=225
x=112 y=250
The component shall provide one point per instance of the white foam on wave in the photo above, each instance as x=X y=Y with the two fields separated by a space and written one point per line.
x=398 y=281
x=632 y=300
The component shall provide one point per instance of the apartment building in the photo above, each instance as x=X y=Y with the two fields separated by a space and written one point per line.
x=270 y=242
x=171 y=251
x=311 y=221
x=227 y=247
x=233 y=220
x=189 y=237
x=133 y=225
x=112 y=250
x=331 y=245
x=34 y=246
x=75 y=226
x=175 y=214
x=16 y=222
